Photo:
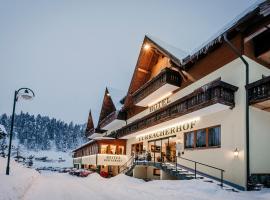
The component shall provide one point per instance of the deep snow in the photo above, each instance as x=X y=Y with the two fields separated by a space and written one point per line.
x=27 y=184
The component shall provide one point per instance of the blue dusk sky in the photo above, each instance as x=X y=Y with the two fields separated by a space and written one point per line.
x=69 y=51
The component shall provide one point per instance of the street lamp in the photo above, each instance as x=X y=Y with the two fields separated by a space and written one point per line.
x=24 y=93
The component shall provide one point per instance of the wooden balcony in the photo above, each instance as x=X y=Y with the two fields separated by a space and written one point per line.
x=259 y=94
x=216 y=92
x=113 y=119
x=95 y=132
x=89 y=133
x=165 y=82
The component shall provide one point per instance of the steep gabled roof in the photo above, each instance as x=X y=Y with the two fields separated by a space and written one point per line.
x=107 y=106
x=147 y=59
x=90 y=123
x=258 y=11
x=116 y=95
x=175 y=54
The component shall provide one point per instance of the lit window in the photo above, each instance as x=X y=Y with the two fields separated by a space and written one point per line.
x=103 y=149
x=121 y=150
x=112 y=149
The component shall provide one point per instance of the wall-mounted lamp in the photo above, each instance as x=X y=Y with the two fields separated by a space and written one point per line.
x=146 y=46
x=236 y=152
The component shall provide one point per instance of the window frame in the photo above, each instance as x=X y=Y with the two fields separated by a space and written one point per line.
x=206 y=139
x=185 y=138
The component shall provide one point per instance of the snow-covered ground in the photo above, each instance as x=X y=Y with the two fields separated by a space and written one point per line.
x=52 y=155
x=27 y=184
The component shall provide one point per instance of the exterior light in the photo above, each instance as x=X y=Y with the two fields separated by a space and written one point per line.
x=26 y=94
x=236 y=152
x=146 y=46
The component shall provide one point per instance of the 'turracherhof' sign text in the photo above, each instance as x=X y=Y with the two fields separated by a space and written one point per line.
x=168 y=132
x=159 y=104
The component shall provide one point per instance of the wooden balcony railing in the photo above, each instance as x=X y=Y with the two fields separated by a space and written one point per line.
x=89 y=132
x=259 y=91
x=166 y=76
x=212 y=93
x=120 y=115
x=94 y=130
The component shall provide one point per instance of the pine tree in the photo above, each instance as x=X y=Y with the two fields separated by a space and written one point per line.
x=43 y=133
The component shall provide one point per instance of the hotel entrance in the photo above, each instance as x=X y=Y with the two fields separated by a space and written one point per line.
x=162 y=150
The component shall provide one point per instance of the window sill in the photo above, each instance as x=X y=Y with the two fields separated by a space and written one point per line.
x=202 y=148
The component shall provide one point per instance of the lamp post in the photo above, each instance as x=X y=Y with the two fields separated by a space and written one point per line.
x=26 y=94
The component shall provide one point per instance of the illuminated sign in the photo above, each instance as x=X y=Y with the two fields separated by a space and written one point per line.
x=172 y=130
x=112 y=159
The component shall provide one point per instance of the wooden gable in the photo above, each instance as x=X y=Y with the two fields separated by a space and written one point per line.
x=90 y=123
x=146 y=68
x=107 y=106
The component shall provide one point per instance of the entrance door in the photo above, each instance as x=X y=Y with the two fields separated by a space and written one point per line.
x=137 y=149
x=163 y=150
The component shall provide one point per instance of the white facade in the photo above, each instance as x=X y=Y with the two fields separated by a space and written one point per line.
x=232 y=123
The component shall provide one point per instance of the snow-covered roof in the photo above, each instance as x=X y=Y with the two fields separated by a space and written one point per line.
x=176 y=52
x=217 y=38
x=116 y=96
x=93 y=140
x=89 y=142
x=103 y=138
x=2 y=129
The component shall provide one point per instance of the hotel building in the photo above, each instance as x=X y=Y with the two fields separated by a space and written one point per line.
x=206 y=113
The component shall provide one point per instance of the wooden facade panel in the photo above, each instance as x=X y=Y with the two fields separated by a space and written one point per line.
x=215 y=59
x=94 y=147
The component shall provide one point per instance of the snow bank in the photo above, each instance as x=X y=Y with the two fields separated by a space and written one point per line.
x=18 y=182
x=27 y=184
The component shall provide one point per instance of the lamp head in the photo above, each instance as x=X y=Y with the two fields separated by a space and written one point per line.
x=236 y=152
x=146 y=46
x=26 y=94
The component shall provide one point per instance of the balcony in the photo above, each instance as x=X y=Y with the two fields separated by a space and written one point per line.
x=89 y=132
x=165 y=82
x=115 y=119
x=96 y=132
x=259 y=94
x=213 y=97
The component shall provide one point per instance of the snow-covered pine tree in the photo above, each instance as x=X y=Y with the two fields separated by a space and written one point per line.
x=43 y=133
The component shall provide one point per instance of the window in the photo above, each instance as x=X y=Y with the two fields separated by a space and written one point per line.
x=112 y=149
x=201 y=138
x=121 y=150
x=204 y=138
x=156 y=172
x=103 y=149
x=214 y=136
x=189 y=140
